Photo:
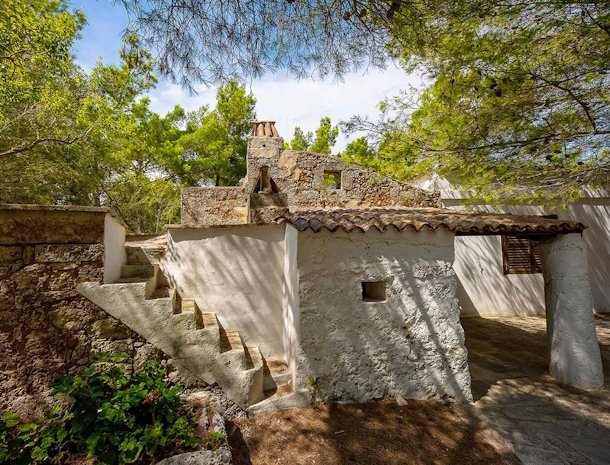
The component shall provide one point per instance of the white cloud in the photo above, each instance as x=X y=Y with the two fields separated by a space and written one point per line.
x=292 y=102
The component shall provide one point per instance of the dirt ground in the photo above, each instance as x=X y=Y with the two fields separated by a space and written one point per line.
x=418 y=432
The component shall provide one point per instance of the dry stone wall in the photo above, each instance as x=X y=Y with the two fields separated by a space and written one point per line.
x=211 y=206
x=301 y=176
x=46 y=327
x=299 y=181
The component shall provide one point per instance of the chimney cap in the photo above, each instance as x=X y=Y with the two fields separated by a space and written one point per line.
x=264 y=129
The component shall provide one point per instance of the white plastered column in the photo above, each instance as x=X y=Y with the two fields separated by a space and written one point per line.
x=573 y=348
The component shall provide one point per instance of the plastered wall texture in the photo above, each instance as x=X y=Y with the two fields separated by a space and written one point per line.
x=300 y=178
x=573 y=348
x=411 y=345
x=46 y=327
x=236 y=272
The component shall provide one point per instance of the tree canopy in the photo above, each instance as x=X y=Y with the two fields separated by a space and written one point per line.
x=322 y=141
x=517 y=102
x=72 y=137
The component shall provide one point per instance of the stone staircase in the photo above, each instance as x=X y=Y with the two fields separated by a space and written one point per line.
x=145 y=302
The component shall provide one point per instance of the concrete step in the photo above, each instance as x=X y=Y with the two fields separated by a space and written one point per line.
x=237 y=359
x=282 y=401
x=136 y=256
x=230 y=340
x=275 y=374
x=184 y=322
x=179 y=329
x=207 y=336
x=189 y=307
x=253 y=354
x=137 y=271
x=161 y=292
x=209 y=320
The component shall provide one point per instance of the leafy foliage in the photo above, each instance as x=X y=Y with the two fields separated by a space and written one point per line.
x=325 y=138
x=214 y=41
x=518 y=106
x=14 y=438
x=104 y=415
x=70 y=137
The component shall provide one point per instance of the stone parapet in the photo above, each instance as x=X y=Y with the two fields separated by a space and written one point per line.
x=212 y=206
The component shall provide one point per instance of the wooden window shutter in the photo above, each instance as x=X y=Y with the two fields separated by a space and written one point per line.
x=520 y=256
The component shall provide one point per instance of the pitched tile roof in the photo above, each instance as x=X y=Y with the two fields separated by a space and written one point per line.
x=459 y=222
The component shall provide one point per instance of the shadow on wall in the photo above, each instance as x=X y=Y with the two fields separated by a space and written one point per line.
x=237 y=273
x=597 y=240
x=411 y=344
x=484 y=289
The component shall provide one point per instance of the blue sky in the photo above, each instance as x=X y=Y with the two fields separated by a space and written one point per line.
x=288 y=101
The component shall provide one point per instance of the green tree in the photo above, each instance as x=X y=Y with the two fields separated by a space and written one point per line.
x=38 y=76
x=300 y=140
x=325 y=137
x=518 y=107
x=59 y=136
x=518 y=101
x=324 y=140
x=213 y=149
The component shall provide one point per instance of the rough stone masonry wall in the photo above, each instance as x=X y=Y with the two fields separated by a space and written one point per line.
x=410 y=345
x=300 y=175
x=213 y=206
x=46 y=327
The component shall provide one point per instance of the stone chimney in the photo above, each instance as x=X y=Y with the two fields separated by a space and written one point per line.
x=264 y=141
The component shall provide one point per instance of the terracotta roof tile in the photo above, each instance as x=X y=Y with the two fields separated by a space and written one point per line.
x=459 y=222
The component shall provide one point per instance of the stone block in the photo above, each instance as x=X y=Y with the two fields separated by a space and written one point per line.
x=61 y=253
x=10 y=253
x=111 y=329
x=40 y=225
x=202 y=206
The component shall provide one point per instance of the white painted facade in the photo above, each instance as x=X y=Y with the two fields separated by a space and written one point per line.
x=237 y=272
x=484 y=289
x=411 y=344
x=574 y=353
x=114 y=248
x=298 y=296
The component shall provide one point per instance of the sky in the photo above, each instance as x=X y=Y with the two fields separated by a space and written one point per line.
x=288 y=101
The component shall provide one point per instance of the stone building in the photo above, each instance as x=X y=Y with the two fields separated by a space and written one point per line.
x=315 y=278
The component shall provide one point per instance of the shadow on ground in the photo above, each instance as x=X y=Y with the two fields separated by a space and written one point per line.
x=542 y=421
x=509 y=348
x=417 y=433
x=520 y=414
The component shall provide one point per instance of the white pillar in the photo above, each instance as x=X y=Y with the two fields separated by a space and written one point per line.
x=573 y=348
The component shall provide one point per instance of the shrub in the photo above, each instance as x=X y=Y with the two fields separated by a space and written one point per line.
x=107 y=415
x=14 y=437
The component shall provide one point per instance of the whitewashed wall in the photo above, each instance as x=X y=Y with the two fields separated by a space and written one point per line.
x=485 y=290
x=114 y=249
x=290 y=305
x=237 y=272
x=411 y=345
x=594 y=213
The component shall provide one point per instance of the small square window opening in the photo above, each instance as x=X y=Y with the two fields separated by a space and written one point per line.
x=332 y=180
x=373 y=291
